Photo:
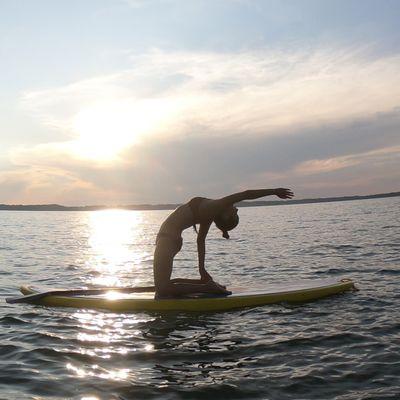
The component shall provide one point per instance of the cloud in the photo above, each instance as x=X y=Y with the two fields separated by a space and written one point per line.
x=254 y=91
x=336 y=159
x=213 y=123
x=379 y=156
x=37 y=185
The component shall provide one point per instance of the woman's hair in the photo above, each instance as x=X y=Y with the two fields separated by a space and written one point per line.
x=226 y=225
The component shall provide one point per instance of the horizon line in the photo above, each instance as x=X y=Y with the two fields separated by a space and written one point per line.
x=168 y=206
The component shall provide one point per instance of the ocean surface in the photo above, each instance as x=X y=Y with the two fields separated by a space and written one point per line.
x=342 y=347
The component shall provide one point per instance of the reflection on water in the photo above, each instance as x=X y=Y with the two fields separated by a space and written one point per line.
x=115 y=251
x=161 y=348
x=113 y=235
x=100 y=372
x=106 y=336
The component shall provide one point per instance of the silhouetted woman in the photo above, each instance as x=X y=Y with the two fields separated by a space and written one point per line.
x=203 y=211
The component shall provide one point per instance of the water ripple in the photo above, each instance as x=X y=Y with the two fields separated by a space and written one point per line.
x=344 y=347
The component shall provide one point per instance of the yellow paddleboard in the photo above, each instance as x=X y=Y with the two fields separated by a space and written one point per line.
x=291 y=292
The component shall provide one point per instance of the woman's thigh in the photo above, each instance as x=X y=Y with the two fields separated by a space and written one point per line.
x=163 y=261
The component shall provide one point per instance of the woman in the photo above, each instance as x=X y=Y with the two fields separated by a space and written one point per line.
x=203 y=211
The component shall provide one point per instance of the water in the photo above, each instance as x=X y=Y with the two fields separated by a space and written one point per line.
x=343 y=347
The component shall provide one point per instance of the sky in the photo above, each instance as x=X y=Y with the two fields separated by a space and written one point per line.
x=119 y=102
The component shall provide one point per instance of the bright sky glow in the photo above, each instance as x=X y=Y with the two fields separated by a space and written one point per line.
x=104 y=130
x=123 y=102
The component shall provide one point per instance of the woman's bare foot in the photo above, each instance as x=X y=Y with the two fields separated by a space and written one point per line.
x=214 y=287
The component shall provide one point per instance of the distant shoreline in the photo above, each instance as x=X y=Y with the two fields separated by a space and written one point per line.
x=142 y=207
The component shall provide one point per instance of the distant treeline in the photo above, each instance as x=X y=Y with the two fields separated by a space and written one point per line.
x=57 y=207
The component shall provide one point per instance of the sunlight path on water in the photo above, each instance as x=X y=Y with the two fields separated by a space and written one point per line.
x=104 y=336
x=111 y=234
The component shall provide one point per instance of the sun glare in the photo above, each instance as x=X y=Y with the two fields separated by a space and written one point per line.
x=106 y=129
x=112 y=233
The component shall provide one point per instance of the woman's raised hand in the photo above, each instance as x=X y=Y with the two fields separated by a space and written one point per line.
x=283 y=193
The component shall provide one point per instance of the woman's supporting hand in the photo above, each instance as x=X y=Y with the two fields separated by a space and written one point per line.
x=283 y=193
x=206 y=277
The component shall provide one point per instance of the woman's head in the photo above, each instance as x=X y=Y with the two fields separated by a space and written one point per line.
x=227 y=221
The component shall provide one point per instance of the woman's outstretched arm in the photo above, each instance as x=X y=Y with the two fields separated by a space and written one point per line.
x=215 y=207
x=255 y=194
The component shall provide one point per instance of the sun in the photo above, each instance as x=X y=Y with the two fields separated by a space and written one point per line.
x=105 y=129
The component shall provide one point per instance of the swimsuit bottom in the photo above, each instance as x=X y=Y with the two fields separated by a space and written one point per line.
x=178 y=241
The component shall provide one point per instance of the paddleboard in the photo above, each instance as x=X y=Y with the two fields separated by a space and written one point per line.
x=291 y=292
